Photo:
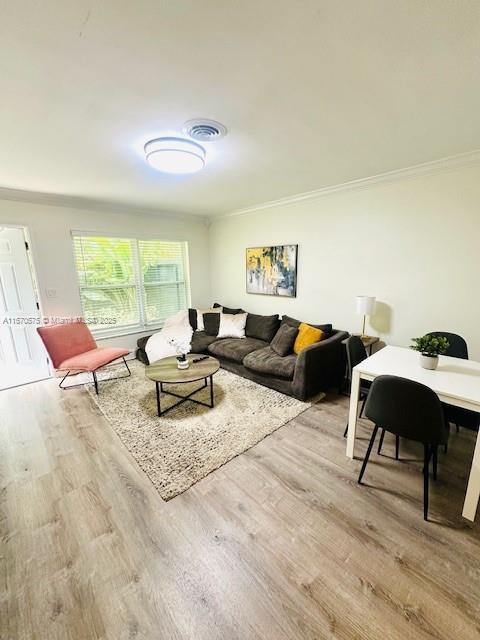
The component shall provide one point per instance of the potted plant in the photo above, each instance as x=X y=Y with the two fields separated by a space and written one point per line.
x=430 y=347
x=181 y=347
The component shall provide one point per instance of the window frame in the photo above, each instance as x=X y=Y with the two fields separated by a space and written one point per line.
x=143 y=326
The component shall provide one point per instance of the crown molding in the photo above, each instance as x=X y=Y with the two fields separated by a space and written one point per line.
x=88 y=204
x=415 y=171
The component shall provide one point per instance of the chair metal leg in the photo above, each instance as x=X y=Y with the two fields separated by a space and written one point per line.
x=363 y=407
x=367 y=455
x=346 y=431
x=95 y=381
x=62 y=380
x=397 y=446
x=382 y=435
x=426 y=476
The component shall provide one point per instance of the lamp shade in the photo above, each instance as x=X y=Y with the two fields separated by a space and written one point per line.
x=365 y=305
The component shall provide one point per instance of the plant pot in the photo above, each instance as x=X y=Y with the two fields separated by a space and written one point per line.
x=183 y=363
x=428 y=362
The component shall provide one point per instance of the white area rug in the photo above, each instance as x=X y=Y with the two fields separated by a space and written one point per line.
x=189 y=442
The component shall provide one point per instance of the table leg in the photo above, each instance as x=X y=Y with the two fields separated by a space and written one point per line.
x=158 y=398
x=473 y=487
x=353 y=411
x=211 y=391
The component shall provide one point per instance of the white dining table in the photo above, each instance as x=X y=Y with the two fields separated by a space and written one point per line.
x=455 y=381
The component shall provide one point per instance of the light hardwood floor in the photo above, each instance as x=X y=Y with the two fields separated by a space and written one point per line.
x=278 y=544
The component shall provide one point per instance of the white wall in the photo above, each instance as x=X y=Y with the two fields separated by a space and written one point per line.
x=50 y=234
x=413 y=243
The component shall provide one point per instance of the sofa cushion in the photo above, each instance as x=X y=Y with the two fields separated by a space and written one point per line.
x=326 y=328
x=284 y=340
x=200 y=341
x=268 y=362
x=262 y=327
x=211 y=322
x=235 y=348
x=93 y=359
x=231 y=312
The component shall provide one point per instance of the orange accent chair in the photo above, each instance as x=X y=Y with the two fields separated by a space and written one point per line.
x=72 y=348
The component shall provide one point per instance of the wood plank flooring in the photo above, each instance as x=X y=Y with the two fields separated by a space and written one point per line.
x=278 y=544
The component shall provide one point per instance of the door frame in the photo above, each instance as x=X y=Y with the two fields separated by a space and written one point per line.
x=34 y=275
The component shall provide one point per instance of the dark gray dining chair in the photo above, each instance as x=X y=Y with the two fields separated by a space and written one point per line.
x=357 y=353
x=457 y=345
x=409 y=410
x=459 y=417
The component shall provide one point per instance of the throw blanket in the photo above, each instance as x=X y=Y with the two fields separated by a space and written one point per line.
x=178 y=328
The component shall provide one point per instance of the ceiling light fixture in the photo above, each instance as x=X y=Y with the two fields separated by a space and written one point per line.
x=175 y=155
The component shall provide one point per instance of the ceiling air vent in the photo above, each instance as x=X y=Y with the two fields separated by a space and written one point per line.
x=204 y=130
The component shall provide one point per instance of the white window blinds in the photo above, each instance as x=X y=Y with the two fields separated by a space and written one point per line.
x=127 y=283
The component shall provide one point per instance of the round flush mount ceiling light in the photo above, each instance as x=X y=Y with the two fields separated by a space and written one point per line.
x=175 y=155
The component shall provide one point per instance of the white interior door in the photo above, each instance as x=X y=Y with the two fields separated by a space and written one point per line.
x=22 y=357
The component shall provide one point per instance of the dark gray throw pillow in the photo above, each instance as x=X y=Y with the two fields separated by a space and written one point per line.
x=211 y=322
x=232 y=312
x=284 y=340
x=262 y=327
x=292 y=322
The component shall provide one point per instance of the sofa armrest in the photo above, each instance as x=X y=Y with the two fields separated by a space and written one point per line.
x=140 y=353
x=319 y=366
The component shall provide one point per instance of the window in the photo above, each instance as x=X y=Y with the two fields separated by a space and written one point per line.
x=130 y=284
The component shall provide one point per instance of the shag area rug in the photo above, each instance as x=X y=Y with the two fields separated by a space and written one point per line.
x=182 y=447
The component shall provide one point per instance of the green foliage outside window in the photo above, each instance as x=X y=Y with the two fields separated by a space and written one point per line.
x=132 y=281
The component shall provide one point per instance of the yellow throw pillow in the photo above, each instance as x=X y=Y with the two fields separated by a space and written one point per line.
x=307 y=335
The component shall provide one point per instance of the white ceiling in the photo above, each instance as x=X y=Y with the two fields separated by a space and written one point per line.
x=313 y=92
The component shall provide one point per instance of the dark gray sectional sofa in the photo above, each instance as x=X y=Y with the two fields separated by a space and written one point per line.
x=318 y=367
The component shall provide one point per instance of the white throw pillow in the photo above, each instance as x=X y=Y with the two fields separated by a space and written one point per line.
x=232 y=326
x=200 y=312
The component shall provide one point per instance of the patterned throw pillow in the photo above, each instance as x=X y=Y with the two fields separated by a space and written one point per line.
x=307 y=335
x=232 y=325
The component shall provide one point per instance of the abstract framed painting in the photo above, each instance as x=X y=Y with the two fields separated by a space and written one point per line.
x=272 y=271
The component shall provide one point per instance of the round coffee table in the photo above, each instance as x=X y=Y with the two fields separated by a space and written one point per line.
x=165 y=371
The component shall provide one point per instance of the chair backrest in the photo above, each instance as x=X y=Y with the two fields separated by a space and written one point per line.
x=458 y=346
x=406 y=408
x=64 y=341
x=356 y=352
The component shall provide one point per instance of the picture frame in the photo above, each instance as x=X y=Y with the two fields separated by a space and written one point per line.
x=272 y=270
